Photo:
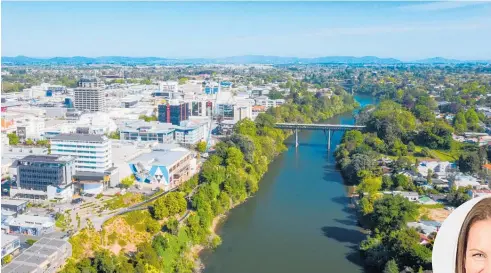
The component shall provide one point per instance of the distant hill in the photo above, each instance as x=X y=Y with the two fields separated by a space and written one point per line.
x=245 y=59
x=440 y=60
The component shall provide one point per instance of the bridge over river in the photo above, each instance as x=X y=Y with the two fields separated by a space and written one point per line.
x=327 y=128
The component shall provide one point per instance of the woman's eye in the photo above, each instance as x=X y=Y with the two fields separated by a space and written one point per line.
x=479 y=255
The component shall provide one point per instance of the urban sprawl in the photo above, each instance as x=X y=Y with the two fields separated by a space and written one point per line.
x=119 y=168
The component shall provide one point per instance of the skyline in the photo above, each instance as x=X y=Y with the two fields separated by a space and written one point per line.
x=403 y=30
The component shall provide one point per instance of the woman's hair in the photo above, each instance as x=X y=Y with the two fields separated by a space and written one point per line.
x=481 y=211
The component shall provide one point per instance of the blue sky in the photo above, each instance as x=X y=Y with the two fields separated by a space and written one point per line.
x=404 y=30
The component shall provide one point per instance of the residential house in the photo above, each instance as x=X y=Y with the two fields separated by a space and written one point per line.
x=478 y=193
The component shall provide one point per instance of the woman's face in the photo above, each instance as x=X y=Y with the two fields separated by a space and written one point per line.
x=478 y=255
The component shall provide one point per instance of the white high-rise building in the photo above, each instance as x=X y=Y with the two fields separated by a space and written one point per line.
x=89 y=95
x=92 y=152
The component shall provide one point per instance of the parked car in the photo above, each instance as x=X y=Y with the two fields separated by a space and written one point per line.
x=77 y=201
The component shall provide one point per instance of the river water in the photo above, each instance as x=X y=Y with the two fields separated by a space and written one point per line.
x=298 y=221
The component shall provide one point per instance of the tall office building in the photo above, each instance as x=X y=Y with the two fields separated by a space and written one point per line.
x=89 y=95
x=173 y=113
x=92 y=152
x=37 y=172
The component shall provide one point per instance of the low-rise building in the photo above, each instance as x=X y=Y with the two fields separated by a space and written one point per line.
x=163 y=166
x=462 y=180
x=10 y=244
x=16 y=206
x=409 y=195
x=30 y=225
x=46 y=174
x=478 y=193
x=153 y=131
x=46 y=256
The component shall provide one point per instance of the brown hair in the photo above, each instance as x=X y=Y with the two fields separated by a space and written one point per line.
x=481 y=211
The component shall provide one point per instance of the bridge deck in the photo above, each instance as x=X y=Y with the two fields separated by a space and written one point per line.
x=318 y=126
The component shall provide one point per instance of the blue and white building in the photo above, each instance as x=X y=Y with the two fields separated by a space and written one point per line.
x=164 y=166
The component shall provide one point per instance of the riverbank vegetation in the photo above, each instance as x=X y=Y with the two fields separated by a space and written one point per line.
x=168 y=236
x=395 y=140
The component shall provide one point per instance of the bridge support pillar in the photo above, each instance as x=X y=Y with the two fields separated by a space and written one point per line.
x=328 y=140
x=296 y=137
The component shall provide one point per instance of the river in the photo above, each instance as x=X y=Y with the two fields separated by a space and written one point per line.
x=298 y=221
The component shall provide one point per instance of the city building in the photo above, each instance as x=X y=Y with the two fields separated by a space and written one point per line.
x=140 y=130
x=37 y=172
x=30 y=128
x=10 y=244
x=130 y=101
x=47 y=255
x=167 y=90
x=167 y=167
x=30 y=225
x=89 y=95
x=92 y=152
x=16 y=206
x=201 y=108
x=191 y=132
x=267 y=102
x=173 y=112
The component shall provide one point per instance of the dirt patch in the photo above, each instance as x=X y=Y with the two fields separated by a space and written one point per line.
x=126 y=233
x=438 y=214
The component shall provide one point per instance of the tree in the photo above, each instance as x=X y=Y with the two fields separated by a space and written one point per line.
x=127 y=181
x=391 y=267
x=160 y=210
x=104 y=261
x=7 y=259
x=173 y=226
x=160 y=244
x=387 y=182
x=114 y=135
x=13 y=139
x=183 y=80
x=472 y=119
x=429 y=176
x=424 y=113
x=234 y=157
x=245 y=127
x=30 y=241
x=392 y=213
x=201 y=146
x=411 y=147
x=29 y=142
x=370 y=185
x=42 y=142
x=398 y=148
x=403 y=182
x=460 y=122
x=275 y=94
x=146 y=81
x=153 y=226
x=469 y=162
x=459 y=196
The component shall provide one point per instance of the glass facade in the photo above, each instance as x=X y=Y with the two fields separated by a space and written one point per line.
x=173 y=113
x=38 y=176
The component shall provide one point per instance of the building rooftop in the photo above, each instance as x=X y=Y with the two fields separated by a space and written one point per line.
x=7 y=239
x=140 y=126
x=31 y=221
x=35 y=256
x=80 y=137
x=48 y=158
x=161 y=157
x=13 y=202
